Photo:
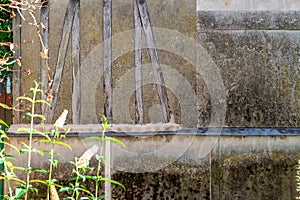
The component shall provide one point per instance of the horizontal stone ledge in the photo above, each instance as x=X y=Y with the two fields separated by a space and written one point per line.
x=95 y=129
x=253 y=5
x=248 y=20
x=145 y=153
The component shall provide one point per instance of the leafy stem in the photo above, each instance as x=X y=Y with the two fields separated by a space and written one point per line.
x=28 y=147
x=105 y=125
x=34 y=90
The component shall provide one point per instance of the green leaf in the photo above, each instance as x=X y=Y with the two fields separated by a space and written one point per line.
x=65 y=189
x=53 y=162
x=24 y=98
x=101 y=158
x=115 y=140
x=38 y=181
x=43 y=102
x=36 y=116
x=17 y=167
x=41 y=152
x=34 y=131
x=97 y=138
x=25 y=145
x=34 y=189
x=34 y=150
x=27 y=169
x=9 y=156
x=83 y=198
x=58 y=154
x=73 y=178
x=10 y=145
x=112 y=181
x=39 y=90
x=105 y=126
x=44 y=141
x=67 y=130
x=21 y=130
x=20 y=192
x=5 y=106
x=3 y=122
x=78 y=189
x=23 y=151
x=63 y=144
x=47 y=138
x=3 y=135
x=39 y=170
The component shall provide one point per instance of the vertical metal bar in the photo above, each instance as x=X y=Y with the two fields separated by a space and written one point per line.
x=138 y=65
x=107 y=42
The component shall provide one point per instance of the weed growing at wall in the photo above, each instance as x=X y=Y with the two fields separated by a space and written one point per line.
x=76 y=187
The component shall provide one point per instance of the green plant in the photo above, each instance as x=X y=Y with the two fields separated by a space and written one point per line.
x=54 y=138
x=28 y=147
x=81 y=167
x=24 y=185
x=75 y=187
x=17 y=187
x=9 y=175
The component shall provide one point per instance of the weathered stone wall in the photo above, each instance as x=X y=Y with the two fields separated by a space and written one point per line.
x=186 y=166
x=251 y=176
x=246 y=64
x=256 y=47
x=163 y=14
x=253 y=45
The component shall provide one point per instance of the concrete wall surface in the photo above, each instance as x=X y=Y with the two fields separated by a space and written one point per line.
x=175 y=16
x=255 y=45
x=225 y=62
x=185 y=165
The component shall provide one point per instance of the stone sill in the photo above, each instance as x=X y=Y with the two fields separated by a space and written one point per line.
x=149 y=151
x=95 y=129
